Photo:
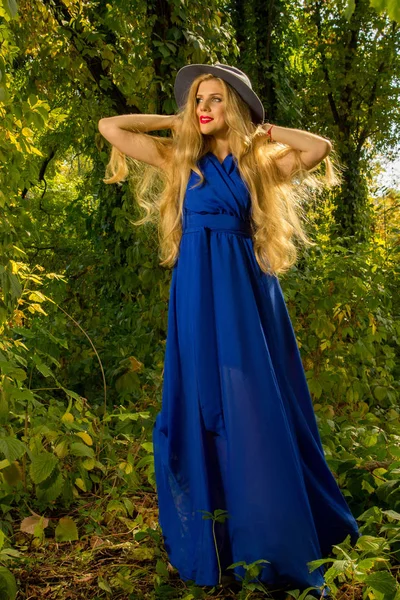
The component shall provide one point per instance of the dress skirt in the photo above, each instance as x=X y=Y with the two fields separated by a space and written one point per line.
x=237 y=429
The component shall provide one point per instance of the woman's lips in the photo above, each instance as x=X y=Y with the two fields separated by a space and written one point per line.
x=205 y=119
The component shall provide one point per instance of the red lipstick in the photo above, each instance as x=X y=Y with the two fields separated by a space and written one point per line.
x=204 y=119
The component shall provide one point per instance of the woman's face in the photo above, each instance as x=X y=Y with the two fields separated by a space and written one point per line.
x=210 y=108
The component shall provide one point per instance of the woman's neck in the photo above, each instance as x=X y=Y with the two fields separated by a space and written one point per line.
x=220 y=147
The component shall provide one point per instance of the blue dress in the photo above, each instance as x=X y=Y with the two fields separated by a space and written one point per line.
x=237 y=429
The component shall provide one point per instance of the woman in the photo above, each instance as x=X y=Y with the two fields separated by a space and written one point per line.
x=236 y=430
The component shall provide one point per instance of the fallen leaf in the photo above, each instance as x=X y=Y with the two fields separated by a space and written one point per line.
x=29 y=523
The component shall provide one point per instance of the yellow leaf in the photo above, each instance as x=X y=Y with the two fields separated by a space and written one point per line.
x=136 y=365
x=85 y=437
x=125 y=466
x=142 y=553
x=329 y=410
x=80 y=484
x=62 y=448
x=27 y=132
x=67 y=417
x=15 y=267
x=367 y=486
x=19 y=250
x=325 y=344
x=34 y=307
x=20 y=344
x=89 y=464
x=36 y=151
x=37 y=297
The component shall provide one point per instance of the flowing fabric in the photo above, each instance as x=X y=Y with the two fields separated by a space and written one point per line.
x=237 y=429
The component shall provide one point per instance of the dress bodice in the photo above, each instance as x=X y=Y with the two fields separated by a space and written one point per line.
x=223 y=190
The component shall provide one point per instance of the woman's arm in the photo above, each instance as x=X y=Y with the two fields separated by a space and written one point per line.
x=313 y=148
x=127 y=133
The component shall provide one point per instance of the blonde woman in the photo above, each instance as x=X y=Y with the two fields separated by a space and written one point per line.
x=236 y=430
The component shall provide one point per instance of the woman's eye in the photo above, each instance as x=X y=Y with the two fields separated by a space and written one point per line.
x=198 y=99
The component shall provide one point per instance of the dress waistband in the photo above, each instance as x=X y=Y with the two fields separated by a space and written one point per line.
x=219 y=221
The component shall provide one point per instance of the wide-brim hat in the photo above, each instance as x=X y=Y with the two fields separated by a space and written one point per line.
x=235 y=77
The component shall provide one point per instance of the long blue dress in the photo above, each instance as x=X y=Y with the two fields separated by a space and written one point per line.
x=237 y=430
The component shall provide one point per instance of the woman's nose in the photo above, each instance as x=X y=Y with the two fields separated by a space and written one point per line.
x=205 y=105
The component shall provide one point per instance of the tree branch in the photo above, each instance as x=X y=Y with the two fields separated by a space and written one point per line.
x=335 y=112
x=93 y=63
x=350 y=53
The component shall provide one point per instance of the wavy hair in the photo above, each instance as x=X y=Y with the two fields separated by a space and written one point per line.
x=277 y=201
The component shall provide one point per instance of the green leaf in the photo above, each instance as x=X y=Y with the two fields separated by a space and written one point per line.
x=148 y=446
x=127 y=383
x=116 y=506
x=161 y=569
x=72 y=394
x=370 y=440
x=66 y=530
x=391 y=6
x=15 y=286
x=11 y=7
x=79 y=449
x=3 y=312
x=373 y=512
x=12 y=474
x=349 y=9
x=8 y=586
x=392 y=513
x=42 y=466
x=366 y=564
x=103 y=585
x=369 y=543
x=18 y=394
x=394 y=451
x=380 y=392
x=383 y=582
x=130 y=416
x=51 y=488
x=4 y=409
x=41 y=367
x=12 y=448
x=9 y=369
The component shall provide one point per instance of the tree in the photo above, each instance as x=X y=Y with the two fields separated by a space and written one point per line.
x=347 y=86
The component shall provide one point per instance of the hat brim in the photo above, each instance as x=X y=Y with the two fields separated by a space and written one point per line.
x=187 y=74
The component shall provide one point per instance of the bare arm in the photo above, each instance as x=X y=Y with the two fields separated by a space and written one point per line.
x=313 y=148
x=127 y=133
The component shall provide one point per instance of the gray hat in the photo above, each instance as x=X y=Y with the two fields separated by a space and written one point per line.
x=236 y=78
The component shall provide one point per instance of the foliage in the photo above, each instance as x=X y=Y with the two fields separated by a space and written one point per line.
x=342 y=76
x=391 y=6
x=83 y=301
x=348 y=328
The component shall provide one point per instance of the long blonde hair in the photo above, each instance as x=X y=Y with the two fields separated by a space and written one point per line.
x=277 y=201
